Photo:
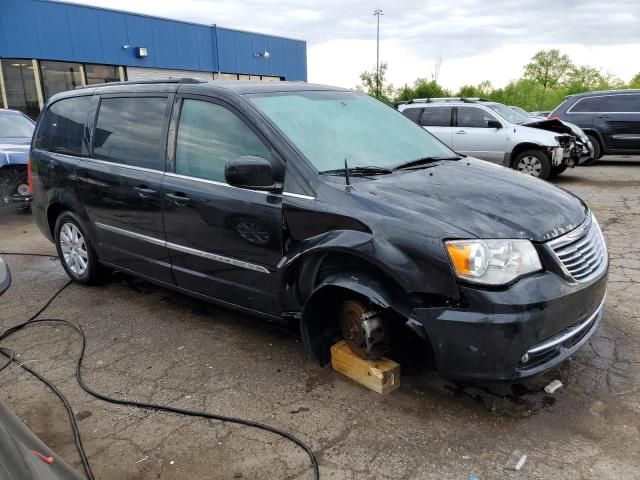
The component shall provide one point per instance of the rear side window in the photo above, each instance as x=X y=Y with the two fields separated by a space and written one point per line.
x=62 y=128
x=130 y=131
x=588 y=105
x=412 y=113
x=473 y=117
x=209 y=135
x=437 y=117
x=623 y=103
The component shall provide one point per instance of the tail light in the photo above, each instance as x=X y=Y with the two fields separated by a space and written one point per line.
x=553 y=117
x=29 y=177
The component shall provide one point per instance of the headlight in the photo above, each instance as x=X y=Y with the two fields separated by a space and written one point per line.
x=493 y=262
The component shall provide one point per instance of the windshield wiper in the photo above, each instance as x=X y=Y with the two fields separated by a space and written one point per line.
x=422 y=162
x=369 y=170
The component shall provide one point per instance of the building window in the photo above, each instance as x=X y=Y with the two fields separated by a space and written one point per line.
x=97 y=74
x=59 y=76
x=20 y=86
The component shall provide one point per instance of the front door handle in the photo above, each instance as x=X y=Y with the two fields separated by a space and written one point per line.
x=144 y=191
x=461 y=132
x=179 y=198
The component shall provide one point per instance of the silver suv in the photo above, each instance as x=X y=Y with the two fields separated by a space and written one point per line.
x=494 y=132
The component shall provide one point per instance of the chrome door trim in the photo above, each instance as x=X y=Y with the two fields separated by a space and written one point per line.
x=223 y=184
x=183 y=249
x=127 y=233
x=115 y=164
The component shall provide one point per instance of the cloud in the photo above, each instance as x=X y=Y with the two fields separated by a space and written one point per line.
x=476 y=39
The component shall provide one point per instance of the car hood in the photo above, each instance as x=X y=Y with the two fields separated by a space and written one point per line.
x=478 y=197
x=557 y=126
x=14 y=151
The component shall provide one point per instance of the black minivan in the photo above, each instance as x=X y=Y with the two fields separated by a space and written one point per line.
x=611 y=120
x=324 y=207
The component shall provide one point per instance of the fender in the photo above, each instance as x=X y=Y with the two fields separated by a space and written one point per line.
x=387 y=257
x=61 y=197
x=13 y=155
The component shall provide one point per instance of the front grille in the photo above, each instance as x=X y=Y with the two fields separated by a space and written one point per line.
x=582 y=252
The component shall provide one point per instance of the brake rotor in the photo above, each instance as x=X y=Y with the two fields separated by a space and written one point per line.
x=363 y=330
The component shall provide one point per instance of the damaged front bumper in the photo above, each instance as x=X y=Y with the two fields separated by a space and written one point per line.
x=514 y=333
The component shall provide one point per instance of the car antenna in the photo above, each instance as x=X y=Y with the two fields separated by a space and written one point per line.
x=347 y=179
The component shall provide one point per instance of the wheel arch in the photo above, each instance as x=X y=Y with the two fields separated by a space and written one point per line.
x=328 y=278
x=523 y=147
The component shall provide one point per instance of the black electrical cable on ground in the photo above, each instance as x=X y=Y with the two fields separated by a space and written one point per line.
x=78 y=372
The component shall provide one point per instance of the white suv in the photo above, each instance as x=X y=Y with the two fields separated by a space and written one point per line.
x=494 y=132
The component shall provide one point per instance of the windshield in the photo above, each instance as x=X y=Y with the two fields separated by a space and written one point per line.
x=14 y=125
x=329 y=126
x=521 y=111
x=508 y=113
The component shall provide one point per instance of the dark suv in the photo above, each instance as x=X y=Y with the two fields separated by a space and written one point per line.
x=321 y=206
x=611 y=119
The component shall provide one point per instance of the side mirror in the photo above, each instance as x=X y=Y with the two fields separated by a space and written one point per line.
x=5 y=276
x=250 y=171
x=493 y=124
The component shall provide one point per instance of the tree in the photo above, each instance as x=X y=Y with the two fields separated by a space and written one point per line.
x=635 y=81
x=405 y=93
x=423 y=88
x=369 y=82
x=583 y=79
x=548 y=68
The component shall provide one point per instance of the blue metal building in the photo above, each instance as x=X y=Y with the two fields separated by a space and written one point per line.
x=47 y=47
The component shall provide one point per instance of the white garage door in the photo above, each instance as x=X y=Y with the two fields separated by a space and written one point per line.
x=136 y=74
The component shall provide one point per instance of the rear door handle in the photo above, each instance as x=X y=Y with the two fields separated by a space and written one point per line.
x=178 y=198
x=461 y=132
x=144 y=191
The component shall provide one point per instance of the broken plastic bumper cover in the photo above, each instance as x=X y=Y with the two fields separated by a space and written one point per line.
x=513 y=333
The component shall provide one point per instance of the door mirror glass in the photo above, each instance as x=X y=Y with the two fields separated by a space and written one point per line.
x=493 y=124
x=5 y=276
x=250 y=171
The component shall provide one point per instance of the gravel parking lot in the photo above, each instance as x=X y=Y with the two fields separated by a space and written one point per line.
x=151 y=344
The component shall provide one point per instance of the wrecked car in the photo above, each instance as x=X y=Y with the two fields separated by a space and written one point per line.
x=494 y=132
x=16 y=130
x=363 y=226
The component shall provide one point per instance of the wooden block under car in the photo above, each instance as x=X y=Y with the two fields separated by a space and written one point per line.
x=382 y=376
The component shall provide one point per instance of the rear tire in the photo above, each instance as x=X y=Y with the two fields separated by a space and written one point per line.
x=597 y=151
x=77 y=256
x=533 y=162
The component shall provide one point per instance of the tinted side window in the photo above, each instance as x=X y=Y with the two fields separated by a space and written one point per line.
x=412 y=113
x=208 y=136
x=437 y=117
x=586 y=105
x=473 y=117
x=62 y=128
x=622 y=103
x=131 y=131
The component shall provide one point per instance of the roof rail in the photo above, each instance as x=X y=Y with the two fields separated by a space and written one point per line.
x=145 y=82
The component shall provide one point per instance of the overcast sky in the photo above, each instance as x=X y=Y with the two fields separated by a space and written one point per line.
x=476 y=39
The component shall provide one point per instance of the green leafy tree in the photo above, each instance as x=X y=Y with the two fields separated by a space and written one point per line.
x=405 y=93
x=369 y=84
x=549 y=68
x=583 y=79
x=482 y=90
x=635 y=81
x=423 y=88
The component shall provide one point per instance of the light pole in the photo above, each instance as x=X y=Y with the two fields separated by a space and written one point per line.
x=377 y=12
